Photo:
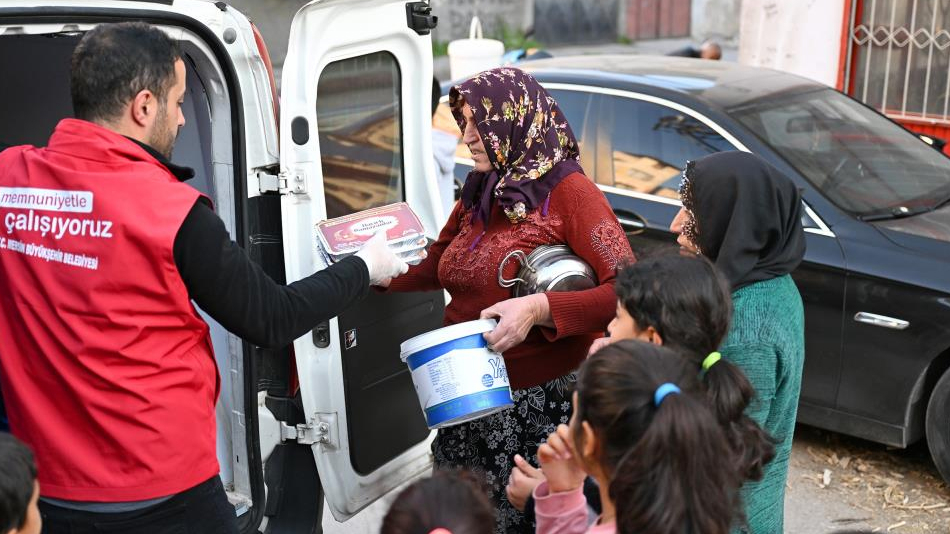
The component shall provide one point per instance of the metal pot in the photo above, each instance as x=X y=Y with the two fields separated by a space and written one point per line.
x=547 y=268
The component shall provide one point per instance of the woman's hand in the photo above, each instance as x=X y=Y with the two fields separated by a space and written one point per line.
x=515 y=318
x=599 y=344
x=560 y=463
x=524 y=478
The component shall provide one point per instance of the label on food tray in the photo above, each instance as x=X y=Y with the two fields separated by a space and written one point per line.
x=347 y=234
x=368 y=227
x=458 y=373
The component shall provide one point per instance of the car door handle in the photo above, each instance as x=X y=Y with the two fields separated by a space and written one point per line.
x=881 y=320
x=630 y=222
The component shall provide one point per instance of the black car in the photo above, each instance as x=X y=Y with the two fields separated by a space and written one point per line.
x=876 y=276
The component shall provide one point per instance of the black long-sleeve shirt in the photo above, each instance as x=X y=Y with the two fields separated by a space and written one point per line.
x=237 y=293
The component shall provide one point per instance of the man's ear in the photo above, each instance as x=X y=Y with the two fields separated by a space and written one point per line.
x=144 y=108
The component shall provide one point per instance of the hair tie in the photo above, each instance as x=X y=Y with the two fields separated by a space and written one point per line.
x=711 y=360
x=663 y=391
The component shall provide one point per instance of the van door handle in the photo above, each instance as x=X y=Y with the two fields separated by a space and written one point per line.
x=630 y=222
x=321 y=335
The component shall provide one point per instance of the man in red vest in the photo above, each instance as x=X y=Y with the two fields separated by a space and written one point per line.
x=107 y=370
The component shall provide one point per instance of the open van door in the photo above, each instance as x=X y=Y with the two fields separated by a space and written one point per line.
x=355 y=134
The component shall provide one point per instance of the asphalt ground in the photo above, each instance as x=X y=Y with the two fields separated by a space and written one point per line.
x=835 y=484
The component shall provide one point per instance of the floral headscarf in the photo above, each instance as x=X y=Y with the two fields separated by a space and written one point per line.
x=528 y=140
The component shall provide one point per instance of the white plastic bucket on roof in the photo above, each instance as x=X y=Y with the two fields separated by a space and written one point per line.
x=475 y=54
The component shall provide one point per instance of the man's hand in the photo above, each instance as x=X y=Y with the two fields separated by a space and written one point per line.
x=382 y=264
x=515 y=318
x=559 y=461
x=524 y=478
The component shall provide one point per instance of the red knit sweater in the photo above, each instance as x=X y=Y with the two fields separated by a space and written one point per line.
x=578 y=216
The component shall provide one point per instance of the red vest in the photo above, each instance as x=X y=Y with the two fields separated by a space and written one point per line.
x=107 y=370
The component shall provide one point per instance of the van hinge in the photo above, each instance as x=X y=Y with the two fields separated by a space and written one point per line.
x=268 y=182
x=419 y=17
x=304 y=434
x=316 y=431
x=283 y=183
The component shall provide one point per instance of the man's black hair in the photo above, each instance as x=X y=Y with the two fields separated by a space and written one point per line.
x=114 y=62
x=17 y=478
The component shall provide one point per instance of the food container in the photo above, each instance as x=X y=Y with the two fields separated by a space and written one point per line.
x=344 y=236
x=457 y=378
x=547 y=268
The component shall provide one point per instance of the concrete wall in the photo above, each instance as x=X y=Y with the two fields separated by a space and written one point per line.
x=717 y=19
x=563 y=22
x=797 y=36
x=455 y=16
x=273 y=18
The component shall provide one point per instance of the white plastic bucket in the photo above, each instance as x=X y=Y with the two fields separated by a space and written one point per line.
x=457 y=378
x=475 y=54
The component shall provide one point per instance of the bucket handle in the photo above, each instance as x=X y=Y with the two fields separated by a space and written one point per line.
x=475 y=29
x=522 y=259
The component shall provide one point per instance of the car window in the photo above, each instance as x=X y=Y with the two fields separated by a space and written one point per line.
x=576 y=106
x=862 y=161
x=807 y=221
x=359 y=124
x=643 y=146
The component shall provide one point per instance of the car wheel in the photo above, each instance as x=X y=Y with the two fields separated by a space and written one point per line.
x=938 y=425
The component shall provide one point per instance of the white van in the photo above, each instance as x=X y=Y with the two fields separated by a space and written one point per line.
x=323 y=417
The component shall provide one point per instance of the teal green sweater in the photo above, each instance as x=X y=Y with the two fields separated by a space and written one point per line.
x=767 y=341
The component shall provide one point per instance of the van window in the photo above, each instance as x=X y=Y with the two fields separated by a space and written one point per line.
x=649 y=144
x=360 y=129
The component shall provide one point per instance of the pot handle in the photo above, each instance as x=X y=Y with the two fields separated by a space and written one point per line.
x=522 y=259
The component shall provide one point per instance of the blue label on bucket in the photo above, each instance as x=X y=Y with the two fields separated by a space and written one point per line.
x=476 y=402
x=474 y=341
x=459 y=380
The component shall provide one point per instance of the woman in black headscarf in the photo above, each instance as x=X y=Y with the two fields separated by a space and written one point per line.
x=745 y=216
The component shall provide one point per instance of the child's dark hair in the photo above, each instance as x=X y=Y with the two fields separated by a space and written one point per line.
x=687 y=301
x=666 y=457
x=453 y=500
x=17 y=480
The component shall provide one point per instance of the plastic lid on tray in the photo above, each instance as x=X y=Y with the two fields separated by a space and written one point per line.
x=343 y=236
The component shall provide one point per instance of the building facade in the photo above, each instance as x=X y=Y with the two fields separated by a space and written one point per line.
x=893 y=55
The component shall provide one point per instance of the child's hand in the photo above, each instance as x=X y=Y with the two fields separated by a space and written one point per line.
x=598 y=344
x=559 y=461
x=524 y=478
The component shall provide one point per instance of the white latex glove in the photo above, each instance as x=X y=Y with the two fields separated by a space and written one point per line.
x=382 y=264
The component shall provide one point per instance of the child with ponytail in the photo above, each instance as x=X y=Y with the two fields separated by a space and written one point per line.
x=682 y=302
x=642 y=429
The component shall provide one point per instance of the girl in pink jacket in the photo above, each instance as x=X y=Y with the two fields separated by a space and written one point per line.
x=643 y=431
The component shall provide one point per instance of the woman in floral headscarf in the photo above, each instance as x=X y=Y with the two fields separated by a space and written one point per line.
x=527 y=189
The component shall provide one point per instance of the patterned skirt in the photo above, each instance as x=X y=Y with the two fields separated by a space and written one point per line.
x=488 y=445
